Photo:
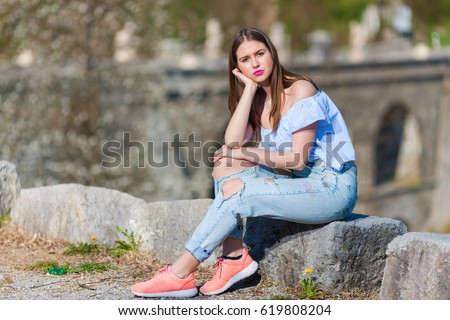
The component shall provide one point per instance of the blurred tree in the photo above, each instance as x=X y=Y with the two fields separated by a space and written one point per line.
x=186 y=20
x=303 y=16
x=431 y=17
x=234 y=15
x=84 y=30
x=77 y=30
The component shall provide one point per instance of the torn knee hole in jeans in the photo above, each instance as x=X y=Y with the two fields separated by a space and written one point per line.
x=230 y=187
x=268 y=180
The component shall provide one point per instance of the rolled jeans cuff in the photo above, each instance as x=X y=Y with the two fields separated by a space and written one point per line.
x=201 y=254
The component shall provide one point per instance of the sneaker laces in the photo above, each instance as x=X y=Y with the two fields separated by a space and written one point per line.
x=164 y=269
x=218 y=265
x=220 y=260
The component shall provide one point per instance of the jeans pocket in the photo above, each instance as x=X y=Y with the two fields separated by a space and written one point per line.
x=329 y=180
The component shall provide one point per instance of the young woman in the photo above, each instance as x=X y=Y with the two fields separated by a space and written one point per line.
x=304 y=172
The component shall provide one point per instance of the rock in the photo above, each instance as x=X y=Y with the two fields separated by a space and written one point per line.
x=168 y=225
x=417 y=267
x=9 y=186
x=74 y=212
x=345 y=255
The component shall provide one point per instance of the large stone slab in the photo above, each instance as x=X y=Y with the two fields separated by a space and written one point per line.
x=417 y=267
x=9 y=186
x=168 y=224
x=345 y=255
x=75 y=212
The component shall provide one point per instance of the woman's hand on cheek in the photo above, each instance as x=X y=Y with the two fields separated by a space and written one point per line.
x=245 y=80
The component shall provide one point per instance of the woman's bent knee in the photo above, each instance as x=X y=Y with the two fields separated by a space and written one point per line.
x=232 y=186
x=227 y=166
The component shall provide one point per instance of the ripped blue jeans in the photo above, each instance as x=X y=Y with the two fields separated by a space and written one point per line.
x=315 y=195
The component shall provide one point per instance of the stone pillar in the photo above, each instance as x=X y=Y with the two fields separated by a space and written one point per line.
x=123 y=43
x=320 y=43
x=410 y=153
x=214 y=38
x=439 y=220
x=280 y=41
x=25 y=58
x=359 y=35
x=9 y=187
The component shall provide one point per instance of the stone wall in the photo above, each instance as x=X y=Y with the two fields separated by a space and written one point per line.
x=47 y=131
x=55 y=123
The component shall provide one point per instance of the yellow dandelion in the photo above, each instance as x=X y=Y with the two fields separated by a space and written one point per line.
x=308 y=270
x=93 y=238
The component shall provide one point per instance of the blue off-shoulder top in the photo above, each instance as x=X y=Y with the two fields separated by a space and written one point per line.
x=332 y=143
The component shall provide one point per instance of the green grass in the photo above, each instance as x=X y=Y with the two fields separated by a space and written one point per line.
x=279 y=297
x=85 y=267
x=309 y=289
x=4 y=219
x=86 y=249
x=124 y=246
x=121 y=246
x=90 y=267
x=82 y=248
x=43 y=266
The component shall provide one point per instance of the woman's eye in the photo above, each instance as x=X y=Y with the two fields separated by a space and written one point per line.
x=260 y=53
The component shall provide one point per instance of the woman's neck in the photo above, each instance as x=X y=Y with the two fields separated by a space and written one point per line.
x=267 y=90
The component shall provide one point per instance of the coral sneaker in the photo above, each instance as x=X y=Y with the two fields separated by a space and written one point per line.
x=166 y=284
x=229 y=272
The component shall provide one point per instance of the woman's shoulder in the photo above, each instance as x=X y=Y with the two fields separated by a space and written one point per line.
x=299 y=90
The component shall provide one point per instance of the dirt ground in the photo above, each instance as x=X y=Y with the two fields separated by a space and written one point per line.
x=19 y=252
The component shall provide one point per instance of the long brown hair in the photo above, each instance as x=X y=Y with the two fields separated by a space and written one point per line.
x=280 y=79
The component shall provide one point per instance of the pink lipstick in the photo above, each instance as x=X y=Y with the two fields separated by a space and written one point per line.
x=258 y=72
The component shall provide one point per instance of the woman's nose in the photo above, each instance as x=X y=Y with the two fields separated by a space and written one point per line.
x=255 y=62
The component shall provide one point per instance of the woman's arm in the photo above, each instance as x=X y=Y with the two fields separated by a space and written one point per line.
x=295 y=159
x=302 y=140
x=237 y=129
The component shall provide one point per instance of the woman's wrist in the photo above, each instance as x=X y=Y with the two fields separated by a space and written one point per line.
x=251 y=87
